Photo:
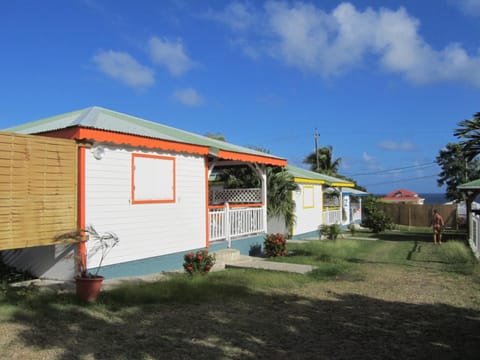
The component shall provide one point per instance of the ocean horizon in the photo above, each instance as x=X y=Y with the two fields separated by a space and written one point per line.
x=434 y=198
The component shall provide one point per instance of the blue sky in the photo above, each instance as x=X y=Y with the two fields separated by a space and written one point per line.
x=384 y=83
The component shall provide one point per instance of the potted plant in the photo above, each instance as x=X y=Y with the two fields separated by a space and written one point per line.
x=87 y=283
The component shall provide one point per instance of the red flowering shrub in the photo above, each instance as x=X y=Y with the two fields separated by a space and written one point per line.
x=200 y=262
x=275 y=245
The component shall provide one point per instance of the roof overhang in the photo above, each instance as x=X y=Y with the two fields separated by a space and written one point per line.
x=308 y=181
x=96 y=135
x=472 y=185
x=251 y=158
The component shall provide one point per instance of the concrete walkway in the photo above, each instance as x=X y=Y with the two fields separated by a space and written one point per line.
x=270 y=265
x=231 y=258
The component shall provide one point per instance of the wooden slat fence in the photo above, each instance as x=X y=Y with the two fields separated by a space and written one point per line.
x=419 y=215
x=38 y=189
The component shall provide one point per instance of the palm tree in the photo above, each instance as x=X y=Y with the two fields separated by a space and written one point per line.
x=469 y=131
x=326 y=164
x=280 y=185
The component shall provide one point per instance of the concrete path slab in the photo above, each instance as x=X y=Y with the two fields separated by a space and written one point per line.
x=270 y=265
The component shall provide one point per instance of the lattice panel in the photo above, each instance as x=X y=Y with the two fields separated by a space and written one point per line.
x=244 y=196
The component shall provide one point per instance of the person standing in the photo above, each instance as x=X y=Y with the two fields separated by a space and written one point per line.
x=437 y=226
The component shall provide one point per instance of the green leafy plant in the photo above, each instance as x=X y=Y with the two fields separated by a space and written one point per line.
x=102 y=243
x=275 y=245
x=200 y=262
x=375 y=219
x=255 y=250
x=330 y=231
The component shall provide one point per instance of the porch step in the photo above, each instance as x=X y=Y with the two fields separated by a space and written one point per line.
x=228 y=256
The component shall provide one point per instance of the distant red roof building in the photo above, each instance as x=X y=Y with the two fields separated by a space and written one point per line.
x=403 y=196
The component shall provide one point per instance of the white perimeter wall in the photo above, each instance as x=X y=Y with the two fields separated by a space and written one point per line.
x=145 y=230
x=308 y=208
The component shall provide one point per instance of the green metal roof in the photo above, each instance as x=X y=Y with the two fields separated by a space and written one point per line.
x=353 y=192
x=103 y=119
x=475 y=184
x=297 y=172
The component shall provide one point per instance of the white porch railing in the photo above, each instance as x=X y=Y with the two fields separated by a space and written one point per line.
x=474 y=236
x=332 y=217
x=226 y=222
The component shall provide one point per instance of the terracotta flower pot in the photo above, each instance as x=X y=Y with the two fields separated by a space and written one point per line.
x=88 y=288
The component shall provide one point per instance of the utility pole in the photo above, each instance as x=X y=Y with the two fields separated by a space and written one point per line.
x=316 y=148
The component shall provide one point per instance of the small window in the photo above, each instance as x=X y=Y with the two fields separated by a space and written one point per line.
x=153 y=179
x=308 y=197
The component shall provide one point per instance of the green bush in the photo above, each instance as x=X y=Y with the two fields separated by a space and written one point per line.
x=376 y=220
x=330 y=231
x=200 y=262
x=275 y=245
x=255 y=250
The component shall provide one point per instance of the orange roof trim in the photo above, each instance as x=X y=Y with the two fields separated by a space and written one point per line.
x=79 y=133
x=230 y=155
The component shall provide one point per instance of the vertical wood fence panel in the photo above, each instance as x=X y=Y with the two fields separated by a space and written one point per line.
x=419 y=215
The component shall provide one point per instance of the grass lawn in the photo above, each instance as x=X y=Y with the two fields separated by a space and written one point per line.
x=396 y=298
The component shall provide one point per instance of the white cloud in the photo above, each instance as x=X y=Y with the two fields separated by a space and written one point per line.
x=367 y=158
x=370 y=161
x=188 y=97
x=123 y=67
x=236 y=15
x=243 y=20
x=306 y=37
x=170 y=54
x=468 y=7
x=394 y=146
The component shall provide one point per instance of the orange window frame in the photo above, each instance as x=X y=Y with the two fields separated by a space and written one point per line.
x=174 y=176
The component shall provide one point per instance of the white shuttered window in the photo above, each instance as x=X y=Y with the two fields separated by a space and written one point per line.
x=153 y=179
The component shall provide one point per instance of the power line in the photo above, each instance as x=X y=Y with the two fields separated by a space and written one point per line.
x=401 y=180
x=419 y=166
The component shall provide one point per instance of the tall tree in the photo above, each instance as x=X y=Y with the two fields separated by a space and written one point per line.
x=456 y=170
x=326 y=164
x=469 y=131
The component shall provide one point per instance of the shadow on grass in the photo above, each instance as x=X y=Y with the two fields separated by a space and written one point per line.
x=232 y=321
x=420 y=236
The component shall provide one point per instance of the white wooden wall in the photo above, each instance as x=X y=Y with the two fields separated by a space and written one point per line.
x=144 y=230
x=308 y=211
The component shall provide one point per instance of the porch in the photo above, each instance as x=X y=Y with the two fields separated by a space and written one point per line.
x=235 y=213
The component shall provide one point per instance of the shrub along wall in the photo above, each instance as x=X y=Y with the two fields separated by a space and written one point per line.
x=38 y=189
x=419 y=215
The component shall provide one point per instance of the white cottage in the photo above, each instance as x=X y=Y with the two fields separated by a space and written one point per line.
x=148 y=183
x=318 y=201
